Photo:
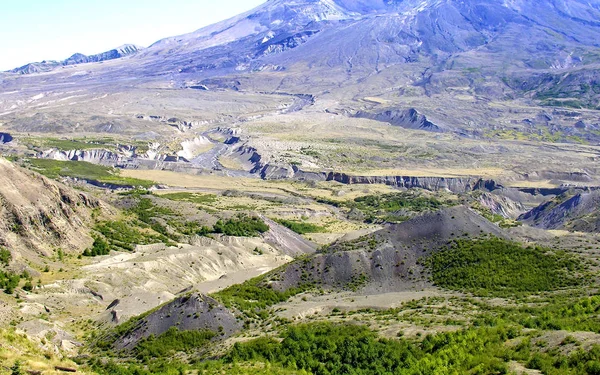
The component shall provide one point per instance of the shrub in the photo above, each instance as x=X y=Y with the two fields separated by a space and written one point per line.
x=242 y=226
x=500 y=267
x=5 y=256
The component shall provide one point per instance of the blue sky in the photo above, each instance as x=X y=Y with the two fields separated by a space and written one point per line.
x=37 y=30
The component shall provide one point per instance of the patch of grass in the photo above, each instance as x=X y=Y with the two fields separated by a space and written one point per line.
x=122 y=235
x=191 y=197
x=493 y=266
x=241 y=226
x=172 y=342
x=146 y=210
x=301 y=227
x=369 y=242
x=254 y=296
x=394 y=207
x=5 y=256
x=80 y=169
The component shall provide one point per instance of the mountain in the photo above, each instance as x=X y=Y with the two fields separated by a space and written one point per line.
x=375 y=34
x=370 y=36
x=78 y=58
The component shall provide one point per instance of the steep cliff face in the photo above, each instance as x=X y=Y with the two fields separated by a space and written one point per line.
x=455 y=185
x=98 y=156
x=38 y=215
x=501 y=205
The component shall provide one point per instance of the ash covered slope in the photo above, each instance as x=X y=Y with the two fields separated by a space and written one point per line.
x=38 y=215
x=387 y=261
x=187 y=313
x=361 y=35
x=578 y=211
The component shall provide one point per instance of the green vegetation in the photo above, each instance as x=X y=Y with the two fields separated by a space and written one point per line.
x=393 y=207
x=171 y=342
x=301 y=227
x=325 y=348
x=556 y=313
x=397 y=201
x=241 y=226
x=369 y=242
x=5 y=256
x=99 y=247
x=499 y=267
x=147 y=227
x=254 y=296
x=9 y=281
x=191 y=197
x=146 y=211
x=122 y=235
x=84 y=170
x=125 y=234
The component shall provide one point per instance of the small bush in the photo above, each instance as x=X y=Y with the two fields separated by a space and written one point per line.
x=241 y=226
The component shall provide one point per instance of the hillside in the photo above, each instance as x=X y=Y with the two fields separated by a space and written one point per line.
x=40 y=216
x=578 y=211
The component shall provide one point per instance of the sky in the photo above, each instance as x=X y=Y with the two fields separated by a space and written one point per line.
x=37 y=30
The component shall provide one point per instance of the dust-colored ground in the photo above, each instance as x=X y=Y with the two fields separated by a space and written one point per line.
x=306 y=305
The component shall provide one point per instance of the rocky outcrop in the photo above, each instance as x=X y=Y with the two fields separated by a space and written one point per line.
x=181 y=124
x=273 y=45
x=187 y=313
x=501 y=205
x=409 y=119
x=193 y=147
x=98 y=156
x=453 y=184
x=579 y=211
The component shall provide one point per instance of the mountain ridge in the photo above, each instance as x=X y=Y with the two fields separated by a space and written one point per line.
x=78 y=58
